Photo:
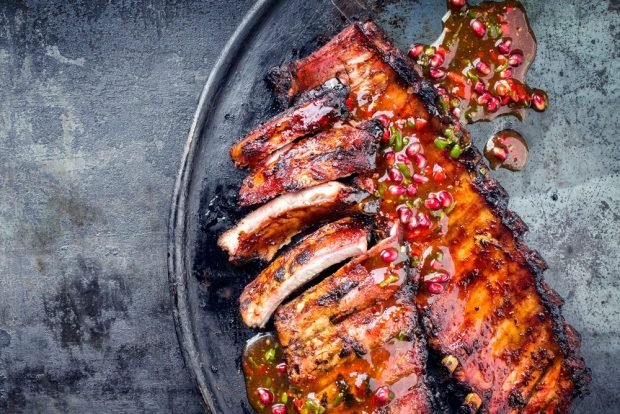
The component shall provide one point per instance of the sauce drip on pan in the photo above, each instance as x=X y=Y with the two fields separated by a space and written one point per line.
x=418 y=186
x=507 y=149
x=480 y=61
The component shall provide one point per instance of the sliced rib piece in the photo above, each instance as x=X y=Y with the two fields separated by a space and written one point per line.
x=263 y=232
x=362 y=282
x=336 y=153
x=307 y=118
x=329 y=245
x=496 y=316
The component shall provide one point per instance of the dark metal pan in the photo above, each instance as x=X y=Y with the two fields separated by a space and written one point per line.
x=569 y=193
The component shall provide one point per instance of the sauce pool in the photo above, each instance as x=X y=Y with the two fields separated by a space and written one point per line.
x=507 y=149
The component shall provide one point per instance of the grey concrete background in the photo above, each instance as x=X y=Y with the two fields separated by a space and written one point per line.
x=96 y=101
x=95 y=105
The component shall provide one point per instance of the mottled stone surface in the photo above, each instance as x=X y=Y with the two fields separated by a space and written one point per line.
x=96 y=102
x=95 y=105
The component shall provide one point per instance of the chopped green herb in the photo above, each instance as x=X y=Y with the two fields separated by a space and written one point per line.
x=404 y=169
x=456 y=151
x=410 y=123
x=270 y=355
x=442 y=143
x=402 y=336
x=391 y=279
x=284 y=397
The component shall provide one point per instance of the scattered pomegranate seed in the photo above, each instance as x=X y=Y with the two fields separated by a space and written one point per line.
x=420 y=160
x=389 y=158
x=438 y=174
x=442 y=91
x=405 y=214
x=416 y=50
x=483 y=67
x=445 y=198
x=484 y=98
x=515 y=58
x=500 y=153
x=506 y=73
x=479 y=87
x=437 y=277
x=478 y=27
x=432 y=203
x=281 y=368
x=389 y=255
x=279 y=409
x=504 y=45
x=420 y=179
x=423 y=220
x=385 y=138
x=456 y=112
x=458 y=3
x=435 y=288
x=402 y=158
x=493 y=104
x=413 y=149
x=437 y=60
x=383 y=119
x=350 y=103
x=395 y=175
x=502 y=87
x=382 y=395
x=265 y=396
x=539 y=100
x=396 y=190
x=437 y=73
x=420 y=123
x=411 y=190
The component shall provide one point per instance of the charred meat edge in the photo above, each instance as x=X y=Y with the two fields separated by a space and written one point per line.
x=289 y=214
x=329 y=245
x=319 y=112
x=336 y=153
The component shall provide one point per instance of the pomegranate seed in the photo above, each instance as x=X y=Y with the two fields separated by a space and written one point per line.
x=279 y=409
x=438 y=174
x=479 y=87
x=442 y=91
x=413 y=224
x=504 y=45
x=484 y=98
x=281 y=368
x=437 y=73
x=265 y=396
x=437 y=60
x=456 y=112
x=420 y=123
x=389 y=255
x=389 y=158
x=483 y=67
x=420 y=179
x=432 y=203
x=413 y=149
x=423 y=220
x=420 y=160
x=405 y=214
x=350 y=103
x=506 y=74
x=395 y=175
x=445 y=198
x=396 y=190
x=539 y=100
x=500 y=153
x=493 y=104
x=411 y=190
x=458 y=3
x=382 y=395
x=435 y=288
x=502 y=88
x=383 y=119
x=416 y=50
x=437 y=277
x=402 y=158
x=478 y=27
x=385 y=138
x=515 y=58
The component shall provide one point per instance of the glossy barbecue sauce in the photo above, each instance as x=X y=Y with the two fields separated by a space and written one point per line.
x=417 y=182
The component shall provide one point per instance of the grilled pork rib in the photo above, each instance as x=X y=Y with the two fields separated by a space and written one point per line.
x=329 y=245
x=496 y=317
x=336 y=153
x=321 y=112
x=264 y=231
